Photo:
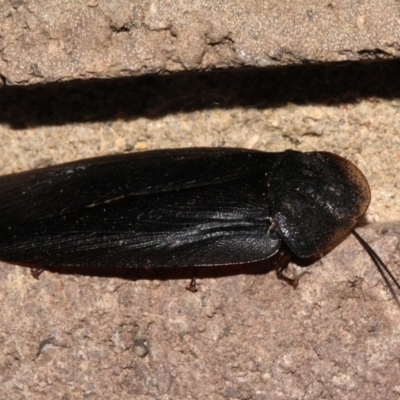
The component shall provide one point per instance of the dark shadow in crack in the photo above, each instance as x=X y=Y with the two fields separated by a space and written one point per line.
x=158 y=95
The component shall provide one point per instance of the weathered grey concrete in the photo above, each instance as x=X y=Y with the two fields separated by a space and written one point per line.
x=45 y=41
x=240 y=337
x=243 y=336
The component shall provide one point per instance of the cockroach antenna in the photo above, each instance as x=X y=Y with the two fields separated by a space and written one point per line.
x=381 y=266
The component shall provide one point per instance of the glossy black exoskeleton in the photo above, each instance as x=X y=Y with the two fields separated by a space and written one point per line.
x=179 y=208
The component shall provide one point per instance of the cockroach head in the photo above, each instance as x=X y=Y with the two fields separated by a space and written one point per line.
x=317 y=198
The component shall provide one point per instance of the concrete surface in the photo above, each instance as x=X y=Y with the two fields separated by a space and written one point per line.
x=47 y=41
x=244 y=335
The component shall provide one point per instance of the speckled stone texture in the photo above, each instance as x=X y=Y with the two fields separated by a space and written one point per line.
x=244 y=335
x=44 y=41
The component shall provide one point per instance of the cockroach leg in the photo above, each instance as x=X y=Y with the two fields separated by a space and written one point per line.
x=281 y=266
x=193 y=285
x=36 y=272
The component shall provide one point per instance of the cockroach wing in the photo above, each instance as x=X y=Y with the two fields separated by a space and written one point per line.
x=214 y=224
x=316 y=199
x=59 y=189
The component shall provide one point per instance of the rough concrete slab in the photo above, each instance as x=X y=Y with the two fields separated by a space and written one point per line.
x=47 y=41
x=245 y=335
x=242 y=336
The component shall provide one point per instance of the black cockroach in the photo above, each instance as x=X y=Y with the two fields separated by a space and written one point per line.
x=181 y=208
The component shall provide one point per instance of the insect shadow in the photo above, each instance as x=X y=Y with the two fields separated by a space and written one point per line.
x=177 y=273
